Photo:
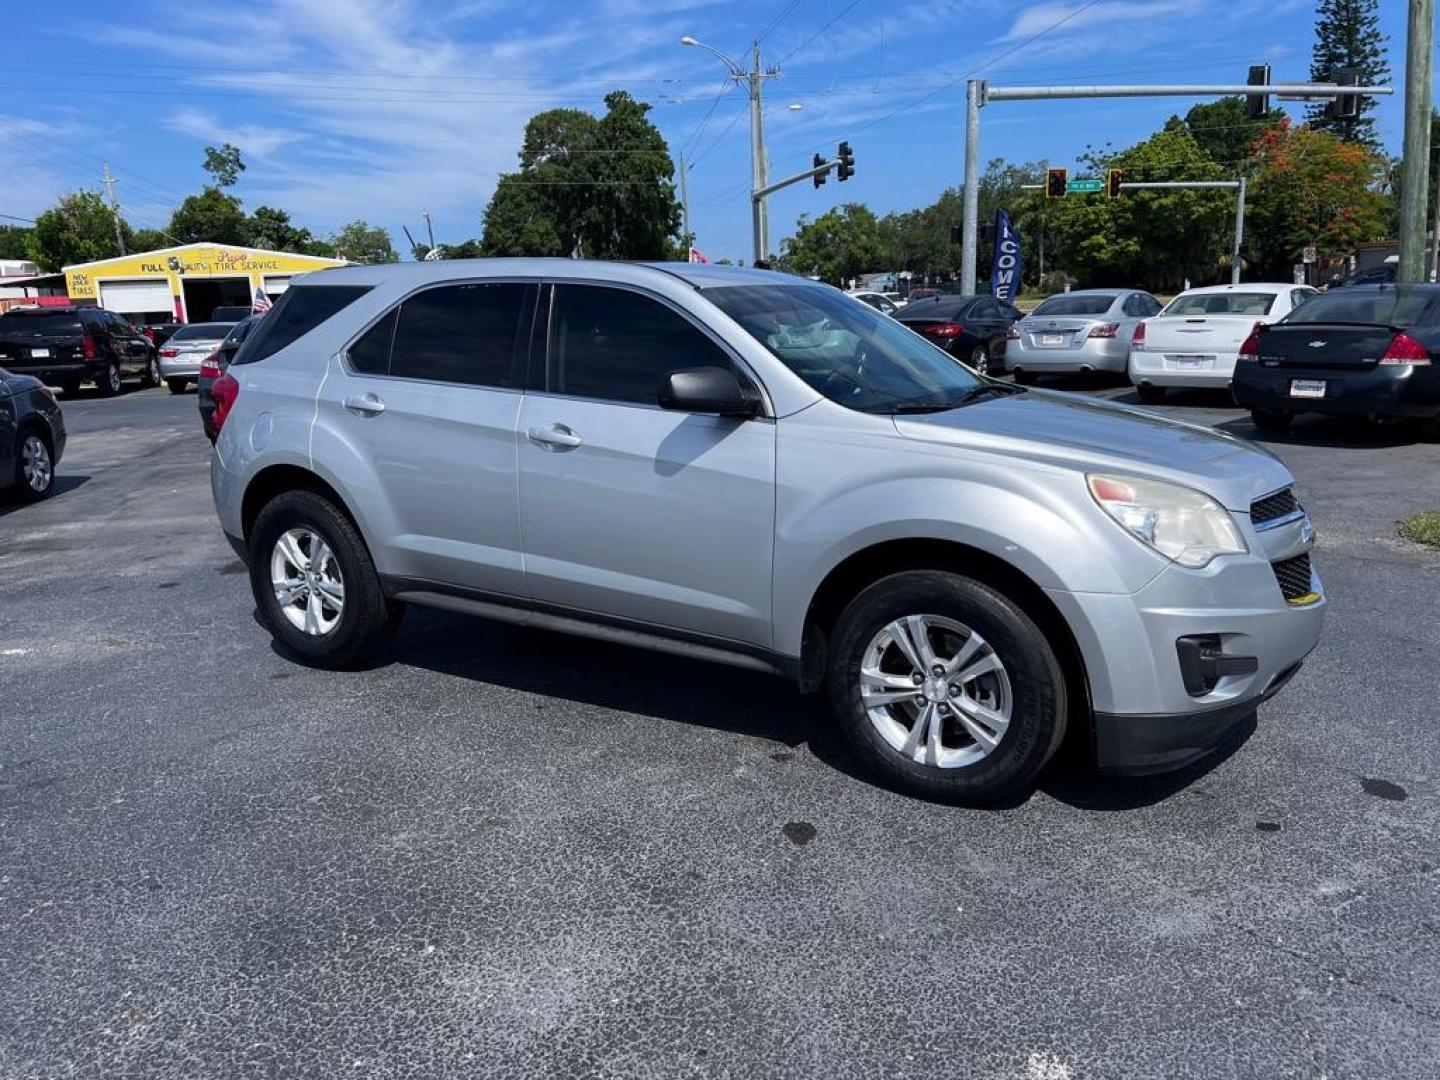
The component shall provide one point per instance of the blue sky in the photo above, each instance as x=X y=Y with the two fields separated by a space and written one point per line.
x=379 y=108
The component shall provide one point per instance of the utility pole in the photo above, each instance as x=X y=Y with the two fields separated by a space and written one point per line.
x=1239 y=233
x=1435 y=229
x=430 y=232
x=109 y=182
x=1415 y=162
x=685 y=209
x=979 y=93
x=759 y=167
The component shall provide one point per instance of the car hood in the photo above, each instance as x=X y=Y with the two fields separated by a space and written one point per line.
x=1086 y=435
x=12 y=383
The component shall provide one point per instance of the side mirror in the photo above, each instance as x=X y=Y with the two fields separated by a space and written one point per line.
x=708 y=390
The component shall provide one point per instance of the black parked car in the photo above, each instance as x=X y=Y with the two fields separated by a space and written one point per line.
x=32 y=436
x=67 y=346
x=970 y=328
x=1365 y=350
x=214 y=366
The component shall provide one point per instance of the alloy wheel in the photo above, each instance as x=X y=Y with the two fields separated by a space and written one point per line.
x=980 y=361
x=307 y=581
x=112 y=378
x=35 y=463
x=935 y=691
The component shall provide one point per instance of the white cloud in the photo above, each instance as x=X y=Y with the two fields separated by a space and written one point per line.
x=1119 y=16
x=255 y=140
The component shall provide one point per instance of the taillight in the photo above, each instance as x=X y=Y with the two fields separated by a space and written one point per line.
x=87 y=346
x=1013 y=334
x=225 y=391
x=1138 y=341
x=210 y=367
x=1250 y=347
x=1104 y=330
x=1405 y=350
x=945 y=330
x=169 y=352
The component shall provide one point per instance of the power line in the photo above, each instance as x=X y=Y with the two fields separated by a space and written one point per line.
x=776 y=21
x=798 y=48
x=12 y=217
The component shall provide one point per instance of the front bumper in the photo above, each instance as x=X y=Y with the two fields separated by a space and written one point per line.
x=1161 y=369
x=1095 y=354
x=1390 y=390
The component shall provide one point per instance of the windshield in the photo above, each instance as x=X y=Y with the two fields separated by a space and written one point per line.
x=1384 y=307
x=1230 y=303
x=850 y=353
x=1075 y=305
x=203 y=331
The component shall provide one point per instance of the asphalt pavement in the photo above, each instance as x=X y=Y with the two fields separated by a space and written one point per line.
x=507 y=853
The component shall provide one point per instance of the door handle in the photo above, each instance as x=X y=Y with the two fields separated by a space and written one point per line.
x=555 y=437
x=365 y=404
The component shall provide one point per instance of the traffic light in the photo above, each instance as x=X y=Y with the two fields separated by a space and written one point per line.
x=1346 y=106
x=1113 y=179
x=1055 y=180
x=820 y=177
x=846 y=168
x=1257 y=105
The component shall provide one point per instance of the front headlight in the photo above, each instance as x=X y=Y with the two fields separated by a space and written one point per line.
x=1180 y=523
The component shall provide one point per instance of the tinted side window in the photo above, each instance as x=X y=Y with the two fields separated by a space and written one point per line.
x=299 y=310
x=618 y=345
x=463 y=334
x=1134 y=305
x=371 y=354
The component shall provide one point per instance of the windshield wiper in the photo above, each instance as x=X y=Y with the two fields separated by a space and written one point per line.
x=908 y=408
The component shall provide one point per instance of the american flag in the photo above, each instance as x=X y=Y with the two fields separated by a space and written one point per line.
x=261 y=303
x=696 y=257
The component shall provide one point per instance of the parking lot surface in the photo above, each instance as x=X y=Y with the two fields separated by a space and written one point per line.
x=506 y=853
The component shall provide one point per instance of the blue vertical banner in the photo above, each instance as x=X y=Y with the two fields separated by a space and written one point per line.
x=1006 y=269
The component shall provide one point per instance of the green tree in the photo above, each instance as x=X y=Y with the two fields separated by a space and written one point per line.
x=363 y=243
x=1223 y=131
x=210 y=217
x=150 y=240
x=598 y=185
x=224 y=164
x=840 y=244
x=1311 y=188
x=80 y=228
x=14 y=242
x=272 y=228
x=1347 y=34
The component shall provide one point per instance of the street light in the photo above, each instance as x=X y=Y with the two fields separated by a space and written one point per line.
x=759 y=165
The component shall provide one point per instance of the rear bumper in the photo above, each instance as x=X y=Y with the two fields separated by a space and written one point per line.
x=1158 y=369
x=1392 y=390
x=176 y=366
x=58 y=372
x=1096 y=354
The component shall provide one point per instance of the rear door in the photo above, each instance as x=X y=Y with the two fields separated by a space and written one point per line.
x=631 y=511
x=430 y=395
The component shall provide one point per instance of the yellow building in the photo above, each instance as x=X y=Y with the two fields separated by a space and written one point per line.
x=186 y=283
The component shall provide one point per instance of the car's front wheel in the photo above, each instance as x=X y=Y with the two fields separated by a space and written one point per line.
x=151 y=376
x=34 y=467
x=946 y=688
x=315 y=583
x=109 y=382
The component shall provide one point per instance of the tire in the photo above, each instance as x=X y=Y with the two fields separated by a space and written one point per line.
x=980 y=360
x=151 y=378
x=1274 y=421
x=1025 y=378
x=1150 y=394
x=177 y=386
x=365 y=622
x=1033 y=689
x=109 y=382
x=34 y=466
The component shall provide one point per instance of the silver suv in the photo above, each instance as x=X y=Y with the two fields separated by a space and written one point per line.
x=756 y=469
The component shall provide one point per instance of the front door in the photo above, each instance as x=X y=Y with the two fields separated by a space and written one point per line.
x=631 y=511
x=429 y=396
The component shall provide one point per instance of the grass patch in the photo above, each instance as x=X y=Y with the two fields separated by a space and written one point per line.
x=1423 y=528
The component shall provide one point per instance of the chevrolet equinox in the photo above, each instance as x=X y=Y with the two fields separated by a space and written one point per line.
x=753 y=468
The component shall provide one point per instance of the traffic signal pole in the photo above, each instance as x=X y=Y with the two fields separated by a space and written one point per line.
x=978 y=94
x=1415 y=163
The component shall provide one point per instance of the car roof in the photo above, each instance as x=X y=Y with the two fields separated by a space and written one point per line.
x=1092 y=292
x=1250 y=287
x=699 y=275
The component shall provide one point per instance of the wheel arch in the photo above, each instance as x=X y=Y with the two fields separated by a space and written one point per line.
x=858 y=571
x=274 y=480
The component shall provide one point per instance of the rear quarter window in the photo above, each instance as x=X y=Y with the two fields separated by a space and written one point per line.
x=300 y=309
x=44 y=324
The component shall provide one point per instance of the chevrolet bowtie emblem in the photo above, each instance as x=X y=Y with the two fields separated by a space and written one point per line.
x=1316 y=344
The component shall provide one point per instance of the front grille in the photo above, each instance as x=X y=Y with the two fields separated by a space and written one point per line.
x=1293 y=576
x=1275 y=505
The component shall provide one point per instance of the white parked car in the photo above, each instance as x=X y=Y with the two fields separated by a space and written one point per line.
x=877 y=300
x=1195 y=340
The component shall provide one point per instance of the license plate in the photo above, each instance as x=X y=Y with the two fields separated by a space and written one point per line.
x=1052 y=339
x=1191 y=361
x=1307 y=388
x=39 y=352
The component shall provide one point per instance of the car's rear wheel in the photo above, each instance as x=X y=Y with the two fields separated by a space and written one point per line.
x=1150 y=393
x=34 y=466
x=177 y=386
x=1272 y=420
x=151 y=377
x=980 y=360
x=315 y=583
x=945 y=688
x=109 y=382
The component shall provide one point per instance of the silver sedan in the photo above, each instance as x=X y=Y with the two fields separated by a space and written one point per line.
x=1086 y=330
x=181 y=356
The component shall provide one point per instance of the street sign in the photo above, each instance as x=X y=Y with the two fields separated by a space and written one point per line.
x=1307 y=254
x=1081 y=187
